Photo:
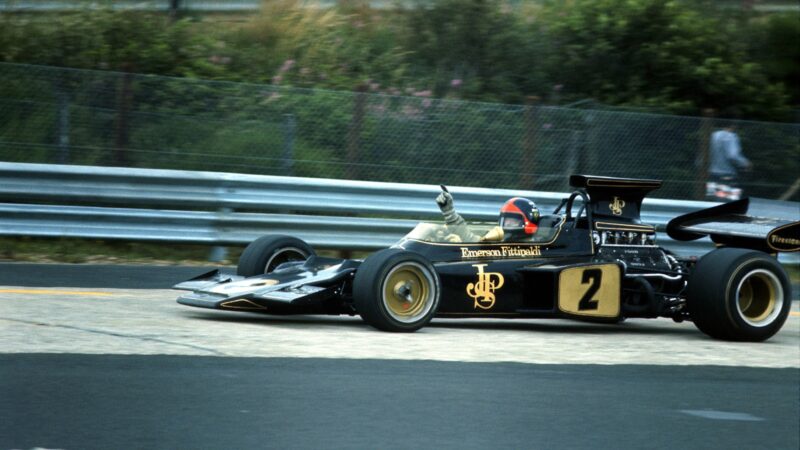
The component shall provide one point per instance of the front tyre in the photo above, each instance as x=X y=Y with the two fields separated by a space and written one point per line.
x=396 y=290
x=739 y=295
x=268 y=252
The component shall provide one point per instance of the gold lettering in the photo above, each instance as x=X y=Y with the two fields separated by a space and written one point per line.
x=783 y=240
x=482 y=292
x=616 y=206
x=521 y=252
x=467 y=253
x=506 y=251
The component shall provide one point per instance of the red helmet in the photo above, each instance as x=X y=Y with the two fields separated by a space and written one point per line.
x=519 y=215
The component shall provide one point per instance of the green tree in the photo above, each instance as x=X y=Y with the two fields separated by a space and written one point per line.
x=774 y=42
x=657 y=53
x=108 y=40
x=474 y=49
x=340 y=48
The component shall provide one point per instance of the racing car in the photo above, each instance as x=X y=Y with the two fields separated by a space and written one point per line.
x=591 y=259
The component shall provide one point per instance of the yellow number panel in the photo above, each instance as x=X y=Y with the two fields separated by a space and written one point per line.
x=591 y=291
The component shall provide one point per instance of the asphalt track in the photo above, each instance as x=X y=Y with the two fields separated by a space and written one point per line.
x=102 y=357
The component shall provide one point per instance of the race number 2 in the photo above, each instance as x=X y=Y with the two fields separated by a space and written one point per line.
x=592 y=291
x=592 y=277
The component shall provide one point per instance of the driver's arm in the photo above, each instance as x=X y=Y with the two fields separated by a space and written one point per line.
x=454 y=221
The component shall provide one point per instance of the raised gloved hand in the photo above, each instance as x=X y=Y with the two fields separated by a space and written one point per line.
x=445 y=202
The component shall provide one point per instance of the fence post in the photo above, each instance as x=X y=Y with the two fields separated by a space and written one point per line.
x=587 y=158
x=122 y=128
x=354 y=132
x=63 y=123
x=573 y=159
x=701 y=159
x=174 y=6
x=288 y=144
x=529 y=143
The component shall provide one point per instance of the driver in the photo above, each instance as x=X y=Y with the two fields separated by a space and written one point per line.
x=519 y=220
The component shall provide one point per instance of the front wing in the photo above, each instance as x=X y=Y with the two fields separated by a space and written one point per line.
x=300 y=288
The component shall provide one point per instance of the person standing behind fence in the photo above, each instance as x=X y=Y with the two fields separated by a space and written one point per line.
x=726 y=160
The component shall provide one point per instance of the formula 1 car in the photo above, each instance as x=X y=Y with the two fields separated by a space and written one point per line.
x=595 y=260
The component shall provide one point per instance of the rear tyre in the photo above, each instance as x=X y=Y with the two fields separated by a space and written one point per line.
x=739 y=295
x=268 y=252
x=396 y=290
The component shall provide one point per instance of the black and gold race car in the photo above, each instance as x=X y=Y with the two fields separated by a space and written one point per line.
x=592 y=259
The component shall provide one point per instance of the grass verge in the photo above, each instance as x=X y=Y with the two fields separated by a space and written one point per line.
x=84 y=251
x=90 y=251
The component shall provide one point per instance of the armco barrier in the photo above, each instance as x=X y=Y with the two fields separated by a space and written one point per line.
x=233 y=209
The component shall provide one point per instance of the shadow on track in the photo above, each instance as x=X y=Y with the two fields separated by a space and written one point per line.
x=636 y=327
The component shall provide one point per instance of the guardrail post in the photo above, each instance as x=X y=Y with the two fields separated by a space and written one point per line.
x=218 y=252
x=288 y=144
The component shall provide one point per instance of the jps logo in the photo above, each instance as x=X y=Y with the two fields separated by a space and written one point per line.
x=616 y=206
x=483 y=290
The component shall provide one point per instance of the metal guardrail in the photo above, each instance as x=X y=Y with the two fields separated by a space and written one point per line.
x=197 y=226
x=234 y=209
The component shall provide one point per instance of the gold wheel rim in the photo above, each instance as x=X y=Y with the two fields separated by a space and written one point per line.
x=408 y=292
x=759 y=298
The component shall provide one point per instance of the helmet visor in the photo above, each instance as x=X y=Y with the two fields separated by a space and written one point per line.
x=510 y=221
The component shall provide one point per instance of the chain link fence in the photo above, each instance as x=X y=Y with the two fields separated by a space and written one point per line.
x=56 y=115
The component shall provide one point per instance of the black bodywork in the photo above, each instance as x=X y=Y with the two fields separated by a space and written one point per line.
x=596 y=260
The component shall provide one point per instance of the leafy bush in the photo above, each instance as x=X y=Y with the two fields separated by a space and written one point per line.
x=292 y=44
x=773 y=43
x=657 y=53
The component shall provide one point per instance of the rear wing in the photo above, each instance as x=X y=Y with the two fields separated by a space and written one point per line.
x=616 y=203
x=728 y=224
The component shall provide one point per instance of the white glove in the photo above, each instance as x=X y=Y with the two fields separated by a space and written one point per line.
x=445 y=202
